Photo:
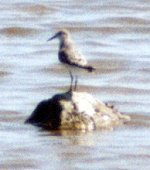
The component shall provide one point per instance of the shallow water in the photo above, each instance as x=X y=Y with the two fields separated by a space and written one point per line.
x=114 y=36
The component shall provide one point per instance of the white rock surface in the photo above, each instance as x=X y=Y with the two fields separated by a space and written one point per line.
x=75 y=111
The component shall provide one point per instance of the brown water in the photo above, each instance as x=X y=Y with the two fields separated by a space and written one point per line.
x=115 y=37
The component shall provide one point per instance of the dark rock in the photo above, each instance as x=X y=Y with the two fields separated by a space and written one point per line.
x=75 y=111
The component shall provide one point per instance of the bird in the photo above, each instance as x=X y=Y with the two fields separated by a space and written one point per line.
x=68 y=54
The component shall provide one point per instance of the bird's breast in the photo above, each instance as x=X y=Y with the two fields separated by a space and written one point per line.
x=62 y=57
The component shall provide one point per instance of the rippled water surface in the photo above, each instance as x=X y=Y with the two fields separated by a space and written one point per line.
x=115 y=37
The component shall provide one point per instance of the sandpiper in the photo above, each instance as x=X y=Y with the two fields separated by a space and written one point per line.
x=68 y=55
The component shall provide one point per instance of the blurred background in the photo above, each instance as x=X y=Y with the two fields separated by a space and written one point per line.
x=114 y=36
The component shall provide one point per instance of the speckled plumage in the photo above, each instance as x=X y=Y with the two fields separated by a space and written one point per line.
x=67 y=53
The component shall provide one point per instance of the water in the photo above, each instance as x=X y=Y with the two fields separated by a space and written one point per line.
x=114 y=36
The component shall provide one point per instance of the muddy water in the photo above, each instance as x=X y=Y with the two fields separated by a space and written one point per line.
x=115 y=37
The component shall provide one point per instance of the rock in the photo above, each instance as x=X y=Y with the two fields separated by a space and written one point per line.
x=75 y=111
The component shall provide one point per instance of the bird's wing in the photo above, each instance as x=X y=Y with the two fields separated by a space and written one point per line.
x=72 y=57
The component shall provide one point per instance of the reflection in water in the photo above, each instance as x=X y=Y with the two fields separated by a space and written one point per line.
x=114 y=36
x=73 y=137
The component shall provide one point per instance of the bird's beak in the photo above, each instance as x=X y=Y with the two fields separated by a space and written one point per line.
x=55 y=36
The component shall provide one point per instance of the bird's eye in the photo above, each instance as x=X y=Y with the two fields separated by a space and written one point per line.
x=60 y=33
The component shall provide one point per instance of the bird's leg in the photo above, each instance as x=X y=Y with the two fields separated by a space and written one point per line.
x=71 y=76
x=76 y=83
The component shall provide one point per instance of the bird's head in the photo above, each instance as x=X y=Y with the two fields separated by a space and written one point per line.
x=61 y=35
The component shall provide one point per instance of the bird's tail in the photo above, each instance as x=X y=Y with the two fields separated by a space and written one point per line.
x=85 y=67
x=88 y=68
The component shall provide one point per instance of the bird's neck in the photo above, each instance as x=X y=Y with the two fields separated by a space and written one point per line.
x=65 y=43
